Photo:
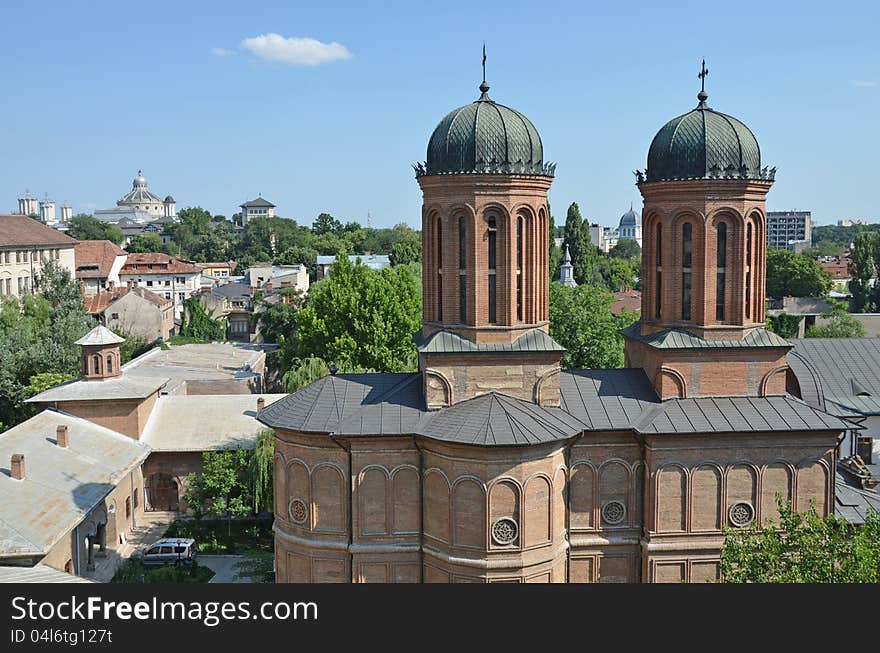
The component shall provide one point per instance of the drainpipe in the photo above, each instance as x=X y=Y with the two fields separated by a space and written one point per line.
x=350 y=507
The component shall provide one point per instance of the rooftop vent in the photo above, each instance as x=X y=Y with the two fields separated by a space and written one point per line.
x=61 y=436
x=17 y=466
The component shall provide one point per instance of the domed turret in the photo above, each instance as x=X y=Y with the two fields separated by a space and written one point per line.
x=485 y=137
x=140 y=181
x=704 y=144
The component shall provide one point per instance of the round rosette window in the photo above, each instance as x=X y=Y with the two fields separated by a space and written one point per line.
x=613 y=512
x=504 y=531
x=298 y=510
x=741 y=514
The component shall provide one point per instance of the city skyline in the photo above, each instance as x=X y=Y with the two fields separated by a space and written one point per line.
x=296 y=103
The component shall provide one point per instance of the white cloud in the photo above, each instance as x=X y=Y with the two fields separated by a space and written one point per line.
x=223 y=52
x=295 y=51
x=865 y=83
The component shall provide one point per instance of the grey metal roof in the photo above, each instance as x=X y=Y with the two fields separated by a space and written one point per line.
x=678 y=339
x=324 y=405
x=853 y=503
x=100 y=335
x=396 y=412
x=38 y=574
x=257 y=202
x=446 y=342
x=232 y=290
x=606 y=399
x=840 y=374
x=61 y=485
x=496 y=419
x=205 y=422
x=737 y=415
x=121 y=387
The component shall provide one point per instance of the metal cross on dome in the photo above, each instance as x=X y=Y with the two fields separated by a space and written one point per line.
x=702 y=75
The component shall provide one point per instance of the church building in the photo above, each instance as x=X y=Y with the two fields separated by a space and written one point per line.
x=493 y=464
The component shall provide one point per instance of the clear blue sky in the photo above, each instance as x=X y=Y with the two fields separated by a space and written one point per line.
x=94 y=91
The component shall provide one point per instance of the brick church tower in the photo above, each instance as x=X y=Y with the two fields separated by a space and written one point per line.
x=485 y=227
x=703 y=262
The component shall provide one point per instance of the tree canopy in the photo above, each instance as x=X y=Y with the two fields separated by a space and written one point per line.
x=364 y=317
x=148 y=242
x=88 y=227
x=802 y=548
x=582 y=322
x=37 y=335
x=583 y=252
x=626 y=249
x=839 y=324
x=199 y=325
x=864 y=266
x=790 y=274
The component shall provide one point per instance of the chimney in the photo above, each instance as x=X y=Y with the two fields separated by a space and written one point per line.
x=261 y=404
x=61 y=436
x=18 y=466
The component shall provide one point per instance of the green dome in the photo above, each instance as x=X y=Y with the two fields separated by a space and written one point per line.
x=704 y=144
x=485 y=137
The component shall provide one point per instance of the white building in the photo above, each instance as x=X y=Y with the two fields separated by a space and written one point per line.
x=98 y=263
x=597 y=236
x=276 y=277
x=28 y=205
x=25 y=244
x=138 y=203
x=258 y=208
x=47 y=212
x=630 y=227
x=66 y=213
x=167 y=276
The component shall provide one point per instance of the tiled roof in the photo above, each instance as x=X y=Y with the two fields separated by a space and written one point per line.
x=161 y=264
x=676 y=339
x=446 y=342
x=99 y=302
x=841 y=375
x=95 y=258
x=22 y=231
x=496 y=419
x=61 y=485
x=737 y=415
x=630 y=300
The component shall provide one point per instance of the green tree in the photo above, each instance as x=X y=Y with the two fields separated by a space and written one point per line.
x=784 y=325
x=794 y=275
x=37 y=335
x=88 y=227
x=199 y=325
x=802 y=548
x=555 y=258
x=261 y=469
x=221 y=489
x=839 y=324
x=326 y=224
x=195 y=218
x=626 y=249
x=148 y=242
x=404 y=253
x=363 y=316
x=616 y=273
x=582 y=322
x=863 y=267
x=577 y=239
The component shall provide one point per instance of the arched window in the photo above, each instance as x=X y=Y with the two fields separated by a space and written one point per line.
x=462 y=262
x=492 y=238
x=519 y=258
x=686 y=257
x=109 y=365
x=721 y=261
x=440 y=269
x=749 y=271
x=658 y=290
x=96 y=365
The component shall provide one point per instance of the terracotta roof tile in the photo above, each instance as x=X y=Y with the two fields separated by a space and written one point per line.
x=97 y=303
x=21 y=230
x=162 y=264
x=94 y=258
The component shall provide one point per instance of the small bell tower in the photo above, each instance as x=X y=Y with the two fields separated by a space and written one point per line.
x=100 y=355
